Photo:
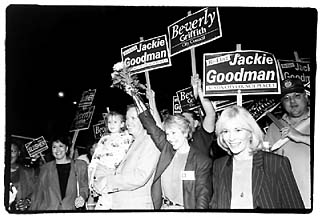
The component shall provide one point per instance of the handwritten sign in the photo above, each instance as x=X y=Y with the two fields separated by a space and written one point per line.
x=186 y=99
x=87 y=98
x=82 y=119
x=251 y=72
x=147 y=55
x=36 y=146
x=99 y=129
x=294 y=69
x=176 y=106
x=194 y=30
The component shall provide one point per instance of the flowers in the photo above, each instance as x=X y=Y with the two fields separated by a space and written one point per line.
x=122 y=78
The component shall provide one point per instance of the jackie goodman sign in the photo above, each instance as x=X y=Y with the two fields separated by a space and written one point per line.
x=194 y=30
x=252 y=72
x=147 y=55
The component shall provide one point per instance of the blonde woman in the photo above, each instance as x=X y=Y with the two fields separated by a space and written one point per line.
x=249 y=178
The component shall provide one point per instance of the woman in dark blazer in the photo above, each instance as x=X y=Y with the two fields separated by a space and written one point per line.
x=250 y=178
x=63 y=183
x=183 y=177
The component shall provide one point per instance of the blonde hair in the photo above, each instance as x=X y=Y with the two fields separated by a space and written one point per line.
x=247 y=121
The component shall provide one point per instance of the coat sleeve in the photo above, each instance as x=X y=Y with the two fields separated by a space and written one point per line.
x=137 y=171
x=203 y=183
x=289 y=192
x=82 y=177
x=37 y=197
x=157 y=134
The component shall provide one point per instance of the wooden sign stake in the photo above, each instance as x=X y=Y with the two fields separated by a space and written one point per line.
x=239 y=95
x=75 y=135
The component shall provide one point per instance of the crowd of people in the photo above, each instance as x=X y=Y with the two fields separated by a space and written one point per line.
x=150 y=162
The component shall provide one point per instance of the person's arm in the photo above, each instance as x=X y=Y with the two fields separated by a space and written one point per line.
x=136 y=171
x=210 y=114
x=153 y=107
x=295 y=135
x=204 y=184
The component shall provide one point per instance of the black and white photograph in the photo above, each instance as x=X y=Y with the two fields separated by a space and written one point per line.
x=159 y=108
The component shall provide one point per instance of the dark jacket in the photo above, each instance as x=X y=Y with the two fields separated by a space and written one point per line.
x=48 y=196
x=196 y=193
x=273 y=183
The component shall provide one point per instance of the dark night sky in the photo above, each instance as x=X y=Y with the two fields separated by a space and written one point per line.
x=73 y=49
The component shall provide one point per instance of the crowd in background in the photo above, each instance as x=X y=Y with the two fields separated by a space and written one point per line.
x=148 y=161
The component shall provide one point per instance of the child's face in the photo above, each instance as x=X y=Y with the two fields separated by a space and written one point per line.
x=115 y=124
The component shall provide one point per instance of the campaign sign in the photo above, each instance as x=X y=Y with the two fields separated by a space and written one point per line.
x=176 y=106
x=82 y=119
x=87 y=98
x=252 y=72
x=36 y=146
x=187 y=100
x=147 y=55
x=194 y=30
x=294 y=69
x=99 y=129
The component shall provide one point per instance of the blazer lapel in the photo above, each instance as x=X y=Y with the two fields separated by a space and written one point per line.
x=258 y=176
x=226 y=176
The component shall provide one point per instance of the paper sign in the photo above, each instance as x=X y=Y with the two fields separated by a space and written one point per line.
x=194 y=30
x=82 y=119
x=147 y=55
x=187 y=100
x=99 y=129
x=294 y=69
x=176 y=106
x=36 y=146
x=87 y=98
x=251 y=72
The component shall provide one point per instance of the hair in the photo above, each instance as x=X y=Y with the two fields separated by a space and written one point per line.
x=180 y=121
x=64 y=139
x=193 y=114
x=247 y=121
x=115 y=114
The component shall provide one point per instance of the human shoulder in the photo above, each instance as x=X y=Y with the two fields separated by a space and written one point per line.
x=273 y=161
x=80 y=162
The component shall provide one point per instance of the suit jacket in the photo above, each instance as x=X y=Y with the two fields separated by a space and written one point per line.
x=273 y=183
x=48 y=197
x=131 y=183
x=196 y=193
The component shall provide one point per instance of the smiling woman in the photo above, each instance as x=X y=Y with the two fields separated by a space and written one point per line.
x=267 y=181
x=63 y=183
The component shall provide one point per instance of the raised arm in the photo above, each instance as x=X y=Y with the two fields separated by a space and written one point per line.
x=153 y=107
x=210 y=114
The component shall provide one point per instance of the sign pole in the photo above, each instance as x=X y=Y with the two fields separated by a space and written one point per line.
x=146 y=73
x=296 y=56
x=239 y=95
x=75 y=135
x=193 y=57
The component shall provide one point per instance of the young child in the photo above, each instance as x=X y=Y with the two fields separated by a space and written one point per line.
x=108 y=155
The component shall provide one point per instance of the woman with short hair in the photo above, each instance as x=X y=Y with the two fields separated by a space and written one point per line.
x=63 y=182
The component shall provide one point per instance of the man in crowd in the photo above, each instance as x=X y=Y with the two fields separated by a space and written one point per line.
x=293 y=140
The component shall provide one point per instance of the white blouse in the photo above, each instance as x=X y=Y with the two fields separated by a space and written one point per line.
x=241 y=197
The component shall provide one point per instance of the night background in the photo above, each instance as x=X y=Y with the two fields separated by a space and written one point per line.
x=73 y=49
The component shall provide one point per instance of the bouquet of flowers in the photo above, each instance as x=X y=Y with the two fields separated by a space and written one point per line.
x=123 y=79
